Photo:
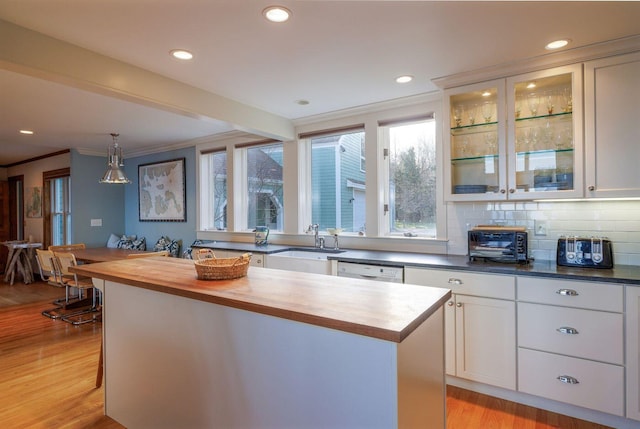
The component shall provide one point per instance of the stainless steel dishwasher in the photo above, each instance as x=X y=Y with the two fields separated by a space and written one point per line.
x=379 y=273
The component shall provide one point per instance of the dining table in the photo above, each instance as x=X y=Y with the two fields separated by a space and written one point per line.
x=92 y=255
x=21 y=253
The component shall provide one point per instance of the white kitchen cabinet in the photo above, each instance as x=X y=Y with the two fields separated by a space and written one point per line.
x=480 y=334
x=518 y=138
x=571 y=342
x=612 y=132
x=633 y=351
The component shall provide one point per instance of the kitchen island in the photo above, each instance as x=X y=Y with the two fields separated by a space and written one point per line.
x=274 y=349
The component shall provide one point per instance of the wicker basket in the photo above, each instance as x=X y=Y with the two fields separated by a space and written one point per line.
x=208 y=267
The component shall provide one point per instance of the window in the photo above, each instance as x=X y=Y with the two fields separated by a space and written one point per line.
x=264 y=184
x=412 y=178
x=214 y=201
x=60 y=211
x=338 y=181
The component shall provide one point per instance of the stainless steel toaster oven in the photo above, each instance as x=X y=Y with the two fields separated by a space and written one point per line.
x=499 y=244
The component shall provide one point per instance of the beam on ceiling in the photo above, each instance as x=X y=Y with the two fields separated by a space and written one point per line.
x=35 y=54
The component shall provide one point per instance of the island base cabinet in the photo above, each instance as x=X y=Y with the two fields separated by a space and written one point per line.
x=175 y=362
x=580 y=382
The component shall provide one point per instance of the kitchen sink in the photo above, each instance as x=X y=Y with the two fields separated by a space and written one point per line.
x=308 y=260
x=312 y=253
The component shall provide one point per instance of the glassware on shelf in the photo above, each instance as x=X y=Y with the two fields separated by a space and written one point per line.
x=533 y=101
x=518 y=107
x=487 y=111
x=471 y=113
x=491 y=142
x=549 y=99
x=458 y=110
x=566 y=97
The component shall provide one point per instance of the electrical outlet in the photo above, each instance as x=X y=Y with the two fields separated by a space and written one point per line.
x=540 y=228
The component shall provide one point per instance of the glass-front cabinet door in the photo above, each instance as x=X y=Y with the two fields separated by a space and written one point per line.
x=544 y=134
x=475 y=166
x=527 y=145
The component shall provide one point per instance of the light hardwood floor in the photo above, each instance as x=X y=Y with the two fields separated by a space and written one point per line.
x=48 y=371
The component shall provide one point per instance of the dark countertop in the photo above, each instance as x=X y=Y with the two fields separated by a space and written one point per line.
x=243 y=247
x=628 y=274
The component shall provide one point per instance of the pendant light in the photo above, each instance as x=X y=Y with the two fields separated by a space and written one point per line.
x=115 y=160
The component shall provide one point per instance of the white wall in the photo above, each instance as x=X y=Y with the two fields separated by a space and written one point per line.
x=617 y=220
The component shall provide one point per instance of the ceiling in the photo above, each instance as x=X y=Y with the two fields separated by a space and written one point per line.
x=249 y=74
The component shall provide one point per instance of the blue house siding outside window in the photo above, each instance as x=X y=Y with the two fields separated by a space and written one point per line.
x=336 y=177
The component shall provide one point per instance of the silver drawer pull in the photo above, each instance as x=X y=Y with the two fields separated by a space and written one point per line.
x=453 y=281
x=567 y=330
x=567 y=292
x=568 y=379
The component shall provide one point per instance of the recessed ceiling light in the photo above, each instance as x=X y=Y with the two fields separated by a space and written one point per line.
x=277 y=13
x=404 y=79
x=486 y=93
x=531 y=85
x=28 y=132
x=181 y=54
x=557 y=44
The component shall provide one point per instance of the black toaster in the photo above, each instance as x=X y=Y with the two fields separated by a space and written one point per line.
x=584 y=252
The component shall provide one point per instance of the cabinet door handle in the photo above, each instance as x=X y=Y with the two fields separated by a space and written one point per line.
x=567 y=330
x=567 y=292
x=568 y=379
x=592 y=188
x=450 y=303
x=503 y=191
x=453 y=281
x=511 y=190
x=459 y=305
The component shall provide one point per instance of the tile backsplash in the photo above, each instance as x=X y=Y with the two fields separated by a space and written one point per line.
x=617 y=220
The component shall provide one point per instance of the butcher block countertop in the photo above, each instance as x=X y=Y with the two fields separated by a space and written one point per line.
x=387 y=311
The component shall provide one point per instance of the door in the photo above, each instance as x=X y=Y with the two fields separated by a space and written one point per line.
x=486 y=340
x=612 y=103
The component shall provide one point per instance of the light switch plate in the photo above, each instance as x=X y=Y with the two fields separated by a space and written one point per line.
x=540 y=228
x=96 y=222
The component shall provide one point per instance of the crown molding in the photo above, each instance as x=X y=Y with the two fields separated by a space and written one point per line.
x=556 y=59
x=412 y=100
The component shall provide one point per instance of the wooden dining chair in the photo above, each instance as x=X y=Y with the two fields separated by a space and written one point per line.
x=147 y=254
x=44 y=259
x=62 y=261
x=67 y=247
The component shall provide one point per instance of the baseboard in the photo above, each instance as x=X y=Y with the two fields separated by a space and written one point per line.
x=546 y=404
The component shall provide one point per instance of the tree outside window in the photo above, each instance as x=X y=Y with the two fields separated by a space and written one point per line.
x=412 y=179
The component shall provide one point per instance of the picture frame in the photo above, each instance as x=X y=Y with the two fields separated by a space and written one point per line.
x=33 y=202
x=162 y=191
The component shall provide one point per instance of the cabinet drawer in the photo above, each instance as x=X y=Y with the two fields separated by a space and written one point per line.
x=464 y=282
x=593 y=295
x=580 y=333
x=599 y=386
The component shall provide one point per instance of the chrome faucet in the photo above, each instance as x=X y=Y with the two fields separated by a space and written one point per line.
x=317 y=241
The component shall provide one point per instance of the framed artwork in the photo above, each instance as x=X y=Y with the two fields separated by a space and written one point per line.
x=33 y=201
x=161 y=191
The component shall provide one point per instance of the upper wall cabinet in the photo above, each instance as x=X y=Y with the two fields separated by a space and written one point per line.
x=475 y=161
x=518 y=138
x=612 y=126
